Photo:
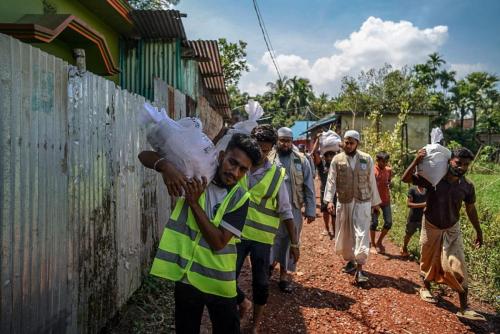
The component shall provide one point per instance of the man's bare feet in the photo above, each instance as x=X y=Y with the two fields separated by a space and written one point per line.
x=380 y=248
x=244 y=307
x=404 y=252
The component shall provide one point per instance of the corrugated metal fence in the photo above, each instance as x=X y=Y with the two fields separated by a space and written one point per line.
x=79 y=215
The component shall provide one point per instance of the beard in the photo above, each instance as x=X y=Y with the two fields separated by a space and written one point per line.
x=284 y=151
x=456 y=171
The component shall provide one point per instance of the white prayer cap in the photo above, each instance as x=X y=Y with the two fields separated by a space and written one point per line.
x=352 y=134
x=285 y=132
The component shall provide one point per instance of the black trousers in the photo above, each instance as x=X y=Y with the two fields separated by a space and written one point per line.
x=260 y=259
x=189 y=304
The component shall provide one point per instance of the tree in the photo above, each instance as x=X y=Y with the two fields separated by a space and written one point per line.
x=233 y=59
x=280 y=91
x=482 y=93
x=489 y=120
x=460 y=99
x=152 y=4
x=301 y=93
x=351 y=97
x=321 y=105
x=437 y=81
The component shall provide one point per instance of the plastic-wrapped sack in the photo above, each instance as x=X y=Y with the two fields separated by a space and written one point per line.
x=435 y=164
x=255 y=112
x=181 y=142
x=329 y=141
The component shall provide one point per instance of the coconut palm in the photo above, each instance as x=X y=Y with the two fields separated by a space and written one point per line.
x=301 y=93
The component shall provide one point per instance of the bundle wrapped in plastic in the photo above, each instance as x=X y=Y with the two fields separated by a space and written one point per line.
x=181 y=142
x=255 y=112
x=435 y=164
x=329 y=141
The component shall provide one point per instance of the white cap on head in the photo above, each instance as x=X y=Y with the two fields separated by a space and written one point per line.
x=353 y=134
x=285 y=132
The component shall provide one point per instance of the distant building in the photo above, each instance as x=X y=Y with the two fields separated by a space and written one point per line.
x=455 y=123
x=418 y=125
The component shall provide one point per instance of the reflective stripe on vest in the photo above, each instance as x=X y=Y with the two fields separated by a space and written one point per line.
x=183 y=252
x=263 y=220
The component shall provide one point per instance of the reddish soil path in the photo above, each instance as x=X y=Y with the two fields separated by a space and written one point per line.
x=325 y=300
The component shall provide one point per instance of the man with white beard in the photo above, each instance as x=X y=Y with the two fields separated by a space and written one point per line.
x=352 y=177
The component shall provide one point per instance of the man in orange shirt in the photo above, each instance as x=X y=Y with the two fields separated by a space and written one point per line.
x=383 y=175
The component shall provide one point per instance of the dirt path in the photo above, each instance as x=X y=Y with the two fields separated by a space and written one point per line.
x=325 y=300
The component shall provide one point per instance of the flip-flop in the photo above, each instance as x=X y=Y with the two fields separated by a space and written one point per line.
x=285 y=286
x=427 y=296
x=470 y=315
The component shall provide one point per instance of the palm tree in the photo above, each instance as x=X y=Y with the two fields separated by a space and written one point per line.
x=280 y=91
x=301 y=93
x=321 y=104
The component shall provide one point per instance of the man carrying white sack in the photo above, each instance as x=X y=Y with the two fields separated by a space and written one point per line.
x=442 y=258
x=198 y=246
x=299 y=182
x=351 y=176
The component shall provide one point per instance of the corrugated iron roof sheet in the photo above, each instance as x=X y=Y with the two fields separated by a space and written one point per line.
x=209 y=63
x=162 y=24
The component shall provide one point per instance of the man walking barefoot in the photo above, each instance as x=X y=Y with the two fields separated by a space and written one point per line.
x=299 y=182
x=442 y=258
x=269 y=205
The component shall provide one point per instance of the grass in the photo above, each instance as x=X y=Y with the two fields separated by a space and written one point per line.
x=149 y=310
x=483 y=264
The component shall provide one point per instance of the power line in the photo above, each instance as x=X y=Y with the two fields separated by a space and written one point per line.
x=267 y=35
x=267 y=40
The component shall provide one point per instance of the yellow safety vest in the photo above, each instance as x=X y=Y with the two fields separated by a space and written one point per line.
x=263 y=220
x=184 y=252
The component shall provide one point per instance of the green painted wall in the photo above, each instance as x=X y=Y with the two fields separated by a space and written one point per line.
x=144 y=60
x=13 y=10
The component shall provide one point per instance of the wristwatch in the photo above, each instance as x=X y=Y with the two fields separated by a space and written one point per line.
x=297 y=245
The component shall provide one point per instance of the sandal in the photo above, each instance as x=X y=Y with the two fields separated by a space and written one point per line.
x=427 y=296
x=285 y=286
x=470 y=315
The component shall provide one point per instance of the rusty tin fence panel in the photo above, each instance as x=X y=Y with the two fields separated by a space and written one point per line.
x=79 y=215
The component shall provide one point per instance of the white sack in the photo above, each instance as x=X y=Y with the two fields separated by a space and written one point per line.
x=436 y=136
x=329 y=141
x=435 y=164
x=181 y=142
x=255 y=112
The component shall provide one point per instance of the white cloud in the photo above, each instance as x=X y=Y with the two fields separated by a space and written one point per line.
x=464 y=69
x=375 y=43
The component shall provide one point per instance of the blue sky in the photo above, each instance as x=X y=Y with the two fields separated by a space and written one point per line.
x=324 y=40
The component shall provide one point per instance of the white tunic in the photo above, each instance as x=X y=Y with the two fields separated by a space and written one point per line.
x=352 y=226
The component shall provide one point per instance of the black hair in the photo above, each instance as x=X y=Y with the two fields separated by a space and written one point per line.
x=462 y=152
x=265 y=133
x=247 y=144
x=383 y=155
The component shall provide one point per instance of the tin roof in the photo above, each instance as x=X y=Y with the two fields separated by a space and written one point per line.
x=160 y=24
x=209 y=63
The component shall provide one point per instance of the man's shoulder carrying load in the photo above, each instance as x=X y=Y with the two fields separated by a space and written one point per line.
x=181 y=142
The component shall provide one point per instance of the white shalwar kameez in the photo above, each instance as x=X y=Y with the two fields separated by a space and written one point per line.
x=352 y=225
